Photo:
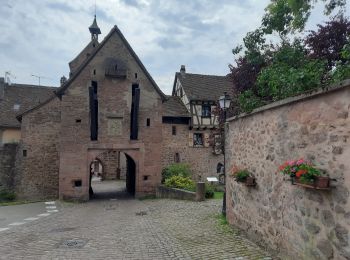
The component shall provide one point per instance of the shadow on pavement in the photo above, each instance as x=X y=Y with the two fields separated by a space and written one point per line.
x=109 y=189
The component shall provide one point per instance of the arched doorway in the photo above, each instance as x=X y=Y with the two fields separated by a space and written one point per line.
x=130 y=175
x=112 y=175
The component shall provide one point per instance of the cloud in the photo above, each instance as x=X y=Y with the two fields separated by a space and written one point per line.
x=41 y=36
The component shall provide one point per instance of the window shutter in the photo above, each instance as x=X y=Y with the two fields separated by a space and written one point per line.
x=190 y=139
x=206 y=140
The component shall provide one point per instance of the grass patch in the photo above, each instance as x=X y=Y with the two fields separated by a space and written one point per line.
x=148 y=197
x=224 y=225
x=218 y=195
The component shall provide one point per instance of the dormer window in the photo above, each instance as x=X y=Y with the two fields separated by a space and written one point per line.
x=16 y=107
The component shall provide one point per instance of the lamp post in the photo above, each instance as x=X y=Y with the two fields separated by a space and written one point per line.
x=224 y=102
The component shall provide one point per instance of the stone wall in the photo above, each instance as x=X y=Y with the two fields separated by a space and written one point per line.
x=114 y=109
x=112 y=163
x=38 y=159
x=202 y=161
x=172 y=193
x=298 y=222
x=7 y=166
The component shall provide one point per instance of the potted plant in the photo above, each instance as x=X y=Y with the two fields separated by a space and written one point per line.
x=243 y=176
x=303 y=173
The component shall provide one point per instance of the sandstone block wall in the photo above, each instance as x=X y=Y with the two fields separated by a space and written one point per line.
x=7 y=166
x=300 y=223
x=111 y=162
x=114 y=108
x=202 y=161
x=37 y=159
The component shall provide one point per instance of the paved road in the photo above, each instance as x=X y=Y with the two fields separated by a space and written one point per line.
x=125 y=228
x=17 y=215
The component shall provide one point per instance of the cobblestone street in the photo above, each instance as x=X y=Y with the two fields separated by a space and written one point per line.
x=128 y=228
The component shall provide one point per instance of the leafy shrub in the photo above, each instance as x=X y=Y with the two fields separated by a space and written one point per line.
x=176 y=169
x=241 y=175
x=209 y=191
x=248 y=101
x=7 y=196
x=290 y=73
x=180 y=182
x=342 y=68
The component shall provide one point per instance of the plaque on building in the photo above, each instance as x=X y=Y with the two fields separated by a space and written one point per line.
x=115 y=126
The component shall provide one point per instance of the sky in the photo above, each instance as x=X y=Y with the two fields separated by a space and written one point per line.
x=40 y=37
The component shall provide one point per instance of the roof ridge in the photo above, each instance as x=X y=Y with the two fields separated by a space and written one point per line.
x=115 y=28
x=221 y=76
x=20 y=85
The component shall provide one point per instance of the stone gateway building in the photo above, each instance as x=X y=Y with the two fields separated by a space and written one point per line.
x=109 y=110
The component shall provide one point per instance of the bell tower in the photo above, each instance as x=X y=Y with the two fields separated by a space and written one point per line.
x=94 y=30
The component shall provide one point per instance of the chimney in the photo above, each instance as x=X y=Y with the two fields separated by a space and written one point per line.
x=2 y=88
x=183 y=69
x=63 y=80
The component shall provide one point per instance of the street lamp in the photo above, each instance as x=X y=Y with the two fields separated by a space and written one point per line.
x=224 y=102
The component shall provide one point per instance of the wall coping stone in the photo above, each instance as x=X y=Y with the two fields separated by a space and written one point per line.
x=307 y=95
x=173 y=193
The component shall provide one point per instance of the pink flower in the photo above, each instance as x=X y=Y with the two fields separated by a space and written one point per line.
x=291 y=163
x=300 y=161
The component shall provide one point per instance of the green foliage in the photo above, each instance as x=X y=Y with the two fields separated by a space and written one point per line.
x=6 y=196
x=290 y=73
x=209 y=191
x=342 y=69
x=285 y=16
x=176 y=169
x=241 y=175
x=180 y=182
x=218 y=195
x=311 y=173
x=248 y=101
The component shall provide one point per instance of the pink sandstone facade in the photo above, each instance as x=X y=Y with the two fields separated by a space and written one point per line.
x=110 y=105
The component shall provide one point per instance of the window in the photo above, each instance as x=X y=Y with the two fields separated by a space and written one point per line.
x=16 y=107
x=24 y=153
x=173 y=130
x=93 y=111
x=94 y=72
x=148 y=123
x=177 y=158
x=198 y=139
x=206 y=111
x=135 y=75
x=77 y=120
x=77 y=183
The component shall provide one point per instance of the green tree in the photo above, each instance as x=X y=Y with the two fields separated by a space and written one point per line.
x=285 y=16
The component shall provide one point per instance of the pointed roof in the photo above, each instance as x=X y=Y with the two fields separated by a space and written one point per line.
x=94 y=29
x=203 y=87
x=60 y=91
x=174 y=107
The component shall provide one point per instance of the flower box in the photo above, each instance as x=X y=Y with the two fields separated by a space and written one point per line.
x=320 y=183
x=304 y=174
x=250 y=181
x=243 y=176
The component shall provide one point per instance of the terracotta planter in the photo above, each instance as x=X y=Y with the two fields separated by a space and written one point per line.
x=322 y=182
x=250 y=181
